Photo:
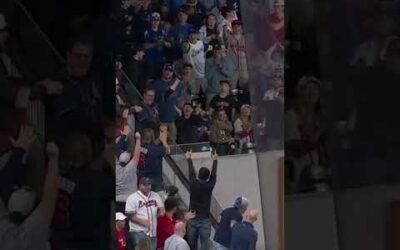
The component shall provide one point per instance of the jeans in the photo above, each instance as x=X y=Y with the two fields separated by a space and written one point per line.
x=199 y=227
x=135 y=237
x=218 y=246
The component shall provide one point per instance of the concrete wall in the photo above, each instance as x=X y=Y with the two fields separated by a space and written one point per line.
x=237 y=176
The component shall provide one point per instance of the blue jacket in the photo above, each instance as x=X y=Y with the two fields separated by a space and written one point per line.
x=167 y=100
x=214 y=74
x=244 y=237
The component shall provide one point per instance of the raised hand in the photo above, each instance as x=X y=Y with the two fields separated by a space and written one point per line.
x=214 y=155
x=25 y=139
x=52 y=151
x=126 y=131
x=137 y=136
x=137 y=109
x=189 y=154
x=52 y=87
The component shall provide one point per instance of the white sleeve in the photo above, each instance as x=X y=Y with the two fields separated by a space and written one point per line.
x=238 y=126
x=131 y=205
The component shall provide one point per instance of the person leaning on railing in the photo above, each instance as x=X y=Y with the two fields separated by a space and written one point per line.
x=201 y=189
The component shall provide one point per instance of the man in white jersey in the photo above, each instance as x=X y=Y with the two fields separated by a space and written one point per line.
x=143 y=208
x=193 y=53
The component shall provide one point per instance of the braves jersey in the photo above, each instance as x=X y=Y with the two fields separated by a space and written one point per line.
x=194 y=54
x=144 y=207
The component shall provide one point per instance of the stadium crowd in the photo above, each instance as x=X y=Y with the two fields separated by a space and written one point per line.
x=183 y=78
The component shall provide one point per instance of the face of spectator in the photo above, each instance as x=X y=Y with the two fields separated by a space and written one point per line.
x=121 y=224
x=149 y=97
x=276 y=82
x=224 y=88
x=182 y=17
x=309 y=92
x=79 y=60
x=245 y=112
x=193 y=37
x=218 y=53
x=222 y=116
x=237 y=29
x=211 y=21
x=167 y=74
x=187 y=110
x=155 y=23
x=145 y=188
x=230 y=15
x=187 y=71
x=279 y=9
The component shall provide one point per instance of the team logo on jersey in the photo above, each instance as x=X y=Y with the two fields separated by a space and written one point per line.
x=150 y=203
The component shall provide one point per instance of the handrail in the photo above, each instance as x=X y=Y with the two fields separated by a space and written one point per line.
x=41 y=33
x=186 y=183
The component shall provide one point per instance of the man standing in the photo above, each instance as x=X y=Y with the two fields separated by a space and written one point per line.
x=219 y=67
x=243 y=234
x=229 y=217
x=200 y=199
x=193 y=53
x=168 y=92
x=166 y=223
x=143 y=207
x=237 y=49
x=176 y=241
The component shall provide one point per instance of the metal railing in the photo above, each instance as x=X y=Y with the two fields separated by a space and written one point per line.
x=45 y=61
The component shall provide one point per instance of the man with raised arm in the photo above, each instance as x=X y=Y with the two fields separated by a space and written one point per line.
x=201 y=189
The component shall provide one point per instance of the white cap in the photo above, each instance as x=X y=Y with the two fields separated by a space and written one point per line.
x=120 y=216
x=124 y=157
x=3 y=23
x=22 y=201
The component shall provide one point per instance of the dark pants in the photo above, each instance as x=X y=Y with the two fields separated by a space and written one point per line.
x=199 y=228
x=135 y=237
x=222 y=148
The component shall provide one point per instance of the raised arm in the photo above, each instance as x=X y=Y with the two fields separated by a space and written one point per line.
x=192 y=175
x=213 y=176
x=137 y=150
x=47 y=204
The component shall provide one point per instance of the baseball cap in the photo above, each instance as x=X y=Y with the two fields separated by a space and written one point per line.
x=145 y=181
x=193 y=31
x=169 y=67
x=183 y=9
x=155 y=16
x=236 y=22
x=120 y=216
x=22 y=201
x=241 y=202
